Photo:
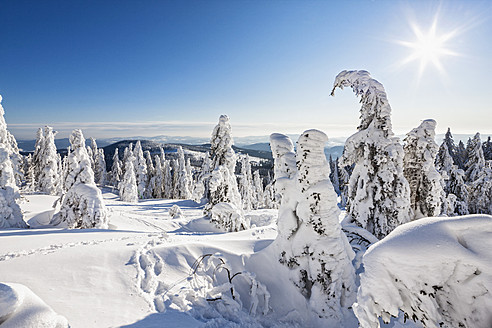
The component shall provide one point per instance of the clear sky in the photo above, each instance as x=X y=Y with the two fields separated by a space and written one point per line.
x=126 y=68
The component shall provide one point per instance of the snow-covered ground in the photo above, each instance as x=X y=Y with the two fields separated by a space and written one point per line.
x=128 y=275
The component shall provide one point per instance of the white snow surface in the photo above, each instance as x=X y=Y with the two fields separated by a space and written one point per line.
x=436 y=270
x=137 y=273
x=20 y=307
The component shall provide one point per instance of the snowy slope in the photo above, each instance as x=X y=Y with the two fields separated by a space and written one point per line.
x=101 y=278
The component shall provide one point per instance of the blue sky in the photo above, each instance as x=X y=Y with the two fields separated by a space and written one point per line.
x=127 y=68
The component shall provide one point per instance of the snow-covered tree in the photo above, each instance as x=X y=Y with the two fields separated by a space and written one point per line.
x=200 y=191
x=30 y=179
x=82 y=205
x=222 y=183
x=16 y=158
x=344 y=185
x=175 y=179
x=116 y=170
x=128 y=185
x=157 y=180
x=100 y=167
x=140 y=170
x=258 y=190
x=487 y=149
x=454 y=184
x=183 y=179
x=316 y=250
x=49 y=177
x=38 y=151
x=90 y=153
x=246 y=184
x=168 y=178
x=269 y=196
x=285 y=173
x=480 y=191
x=334 y=175
x=426 y=184
x=10 y=212
x=461 y=155
x=94 y=149
x=150 y=174
x=379 y=194
x=476 y=161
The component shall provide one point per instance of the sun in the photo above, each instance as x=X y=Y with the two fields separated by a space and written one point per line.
x=429 y=47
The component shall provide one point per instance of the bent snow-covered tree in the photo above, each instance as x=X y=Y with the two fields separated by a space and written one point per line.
x=378 y=193
x=10 y=212
x=319 y=254
x=426 y=184
x=222 y=185
x=82 y=205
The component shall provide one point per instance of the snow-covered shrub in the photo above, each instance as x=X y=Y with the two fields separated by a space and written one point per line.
x=426 y=184
x=436 y=270
x=82 y=205
x=228 y=217
x=175 y=212
x=378 y=193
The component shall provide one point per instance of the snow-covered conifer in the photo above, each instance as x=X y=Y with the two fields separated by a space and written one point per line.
x=379 y=195
x=140 y=170
x=175 y=179
x=49 y=177
x=487 y=149
x=90 y=153
x=316 y=250
x=344 y=185
x=191 y=181
x=258 y=191
x=168 y=179
x=16 y=159
x=116 y=170
x=246 y=184
x=285 y=173
x=128 y=185
x=426 y=184
x=222 y=183
x=30 y=179
x=150 y=174
x=334 y=175
x=10 y=212
x=82 y=205
x=100 y=172
x=157 y=180
x=269 y=196
x=480 y=191
x=183 y=180
x=475 y=162
x=38 y=153
x=200 y=191
x=461 y=155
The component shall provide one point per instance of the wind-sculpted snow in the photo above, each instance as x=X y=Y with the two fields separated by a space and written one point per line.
x=436 y=270
x=20 y=307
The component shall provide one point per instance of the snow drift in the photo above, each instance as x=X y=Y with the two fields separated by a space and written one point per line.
x=436 y=270
x=20 y=307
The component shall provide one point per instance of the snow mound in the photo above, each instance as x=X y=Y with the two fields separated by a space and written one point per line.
x=20 y=307
x=436 y=270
